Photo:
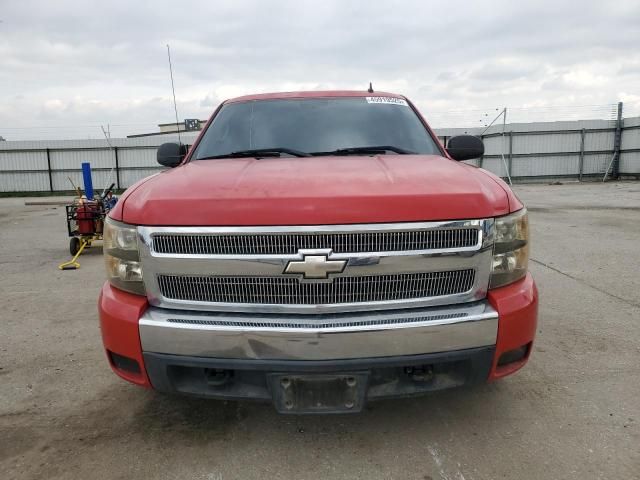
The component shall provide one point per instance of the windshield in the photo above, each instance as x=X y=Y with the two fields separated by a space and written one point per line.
x=318 y=125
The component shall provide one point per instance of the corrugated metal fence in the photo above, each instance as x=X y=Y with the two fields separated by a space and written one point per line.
x=532 y=151
x=47 y=166
x=544 y=150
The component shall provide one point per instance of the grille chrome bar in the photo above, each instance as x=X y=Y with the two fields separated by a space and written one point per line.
x=317 y=324
x=290 y=243
x=290 y=291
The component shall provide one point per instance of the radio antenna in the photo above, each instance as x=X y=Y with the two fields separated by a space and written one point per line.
x=173 y=90
x=107 y=137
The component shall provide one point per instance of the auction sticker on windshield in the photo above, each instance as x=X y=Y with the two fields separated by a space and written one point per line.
x=388 y=100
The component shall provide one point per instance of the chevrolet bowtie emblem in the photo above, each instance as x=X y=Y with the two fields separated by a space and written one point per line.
x=316 y=267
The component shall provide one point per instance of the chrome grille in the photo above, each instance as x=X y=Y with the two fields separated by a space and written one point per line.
x=389 y=266
x=290 y=291
x=290 y=243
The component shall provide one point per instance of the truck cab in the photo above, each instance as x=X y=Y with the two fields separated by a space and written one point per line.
x=317 y=250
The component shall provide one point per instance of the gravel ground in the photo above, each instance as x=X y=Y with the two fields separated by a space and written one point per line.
x=573 y=412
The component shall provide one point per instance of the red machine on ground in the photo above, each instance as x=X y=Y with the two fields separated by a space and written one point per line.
x=85 y=223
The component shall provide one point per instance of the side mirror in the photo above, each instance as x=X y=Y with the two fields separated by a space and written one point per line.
x=465 y=147
x=171 y=154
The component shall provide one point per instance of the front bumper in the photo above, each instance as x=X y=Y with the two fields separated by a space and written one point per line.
x=177 y=351
x=378 y=377
x=323 y=337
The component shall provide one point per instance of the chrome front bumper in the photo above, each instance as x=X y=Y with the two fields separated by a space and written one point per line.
x=318 y=337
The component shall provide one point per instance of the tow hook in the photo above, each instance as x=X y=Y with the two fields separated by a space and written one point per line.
x=420 y=373
x=217 y=377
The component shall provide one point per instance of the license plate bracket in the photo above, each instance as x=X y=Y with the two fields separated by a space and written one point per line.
x=319 y=393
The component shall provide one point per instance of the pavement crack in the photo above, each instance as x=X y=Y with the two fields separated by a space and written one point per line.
x=628 y=302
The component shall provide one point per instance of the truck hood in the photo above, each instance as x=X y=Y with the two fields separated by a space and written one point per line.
x=314 y=191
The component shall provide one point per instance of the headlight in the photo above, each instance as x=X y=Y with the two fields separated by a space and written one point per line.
x=120 y=247
x=511 y=249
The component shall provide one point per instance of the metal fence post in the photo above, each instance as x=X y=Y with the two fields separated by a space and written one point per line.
x=115 y=152
x=581 y=161
x=615 y=173
x=49 y=171
x=510 y=161
x=614 y=164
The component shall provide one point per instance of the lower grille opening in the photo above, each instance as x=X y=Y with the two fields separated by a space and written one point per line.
x=513 y=356
x=290 y=291
x=123 y=363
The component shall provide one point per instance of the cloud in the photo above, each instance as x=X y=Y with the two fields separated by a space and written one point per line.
x=75 y=63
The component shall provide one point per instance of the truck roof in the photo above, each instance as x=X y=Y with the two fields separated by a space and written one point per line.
x=312 y=94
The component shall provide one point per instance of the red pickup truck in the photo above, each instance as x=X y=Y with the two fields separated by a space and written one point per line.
x=317 y=250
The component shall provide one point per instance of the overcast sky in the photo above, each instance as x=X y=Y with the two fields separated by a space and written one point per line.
x=77 y=65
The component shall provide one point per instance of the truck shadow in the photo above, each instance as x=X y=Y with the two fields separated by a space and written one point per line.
x=215 y=420
x=198 y=433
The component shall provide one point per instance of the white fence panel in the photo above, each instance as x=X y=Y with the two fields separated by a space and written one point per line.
x=496 y=145
x=23 y=160
x=24 y=182
x=598 y=141
x=596 y=163
x=631 y=139
x=73 y=159
x=546 y=143
x=630 y=163
x=137 y=157
x=560 y=165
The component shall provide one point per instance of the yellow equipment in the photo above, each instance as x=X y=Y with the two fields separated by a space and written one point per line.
x=73 y=264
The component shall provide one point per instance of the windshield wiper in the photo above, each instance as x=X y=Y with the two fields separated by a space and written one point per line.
x=259 y=152
x=370 y=150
